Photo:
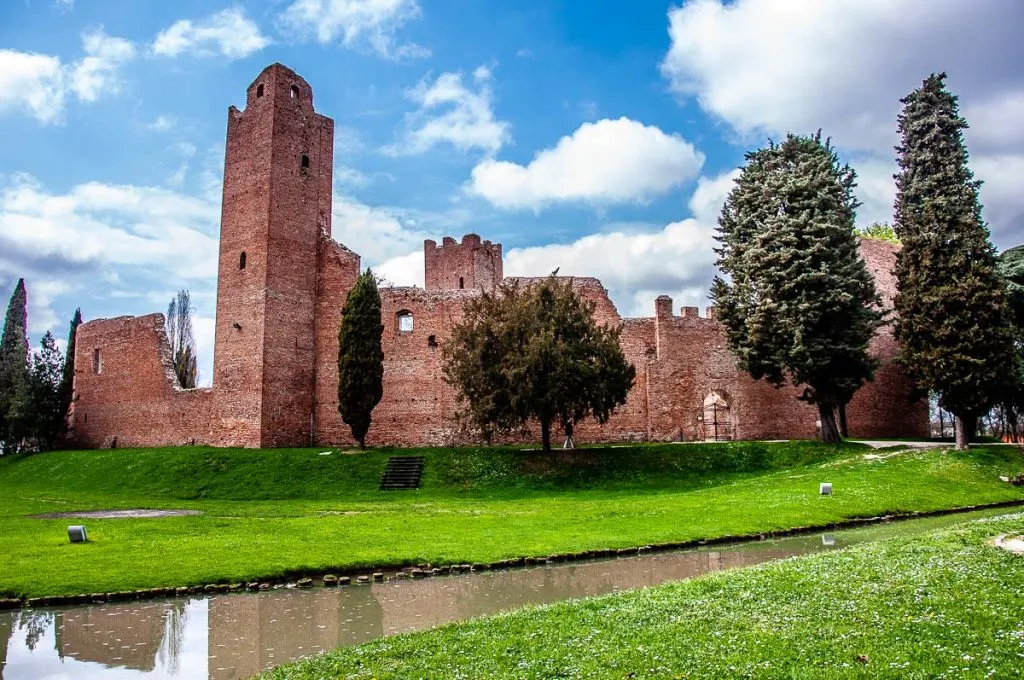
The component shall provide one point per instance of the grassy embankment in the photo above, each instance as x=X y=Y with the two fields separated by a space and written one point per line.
x=287 y=512
x=946 y=604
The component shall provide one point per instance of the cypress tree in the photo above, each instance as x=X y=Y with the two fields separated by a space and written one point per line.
x=14 y=373
x=360 y=356
x=67 y=379
x=798 y=303
x=952 y=304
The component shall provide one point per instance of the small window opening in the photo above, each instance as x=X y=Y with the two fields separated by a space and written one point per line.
x=305 y=161
x=405 y=323
x=295 y=92
x=432 y=341
x=259 y=90
x=462 y=282
x=241 y=260
x=97 y=362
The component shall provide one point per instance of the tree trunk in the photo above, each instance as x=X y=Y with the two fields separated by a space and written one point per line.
x=829 y=429
x=960 y=429
x=545 y=434
x=844 y=431
x=362 y=443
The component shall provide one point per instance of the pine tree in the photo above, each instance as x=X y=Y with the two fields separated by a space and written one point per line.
x=953 y=319
x=67 y=380
x=14 y=373
x=360 y=357
x=799 y=303
x=535 y=353
x=46 y=410
x=183 y=345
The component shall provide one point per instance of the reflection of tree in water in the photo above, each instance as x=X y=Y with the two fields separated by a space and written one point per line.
x=175 y=620
x=6 y=631
x=35 y=625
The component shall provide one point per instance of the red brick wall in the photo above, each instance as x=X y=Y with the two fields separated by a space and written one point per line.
x=275 y=364
x=470 y=264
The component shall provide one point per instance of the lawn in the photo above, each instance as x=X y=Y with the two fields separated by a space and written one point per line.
x=283 y=513
x=942 y=605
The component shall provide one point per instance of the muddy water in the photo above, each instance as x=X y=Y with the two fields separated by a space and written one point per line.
x=234 y=636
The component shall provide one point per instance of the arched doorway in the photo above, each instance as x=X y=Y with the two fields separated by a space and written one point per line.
x=717 y=420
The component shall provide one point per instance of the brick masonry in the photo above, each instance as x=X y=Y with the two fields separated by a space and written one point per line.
x=282 y=283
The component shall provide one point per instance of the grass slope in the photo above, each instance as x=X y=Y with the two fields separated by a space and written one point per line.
x=942 y=605
x=276 y=513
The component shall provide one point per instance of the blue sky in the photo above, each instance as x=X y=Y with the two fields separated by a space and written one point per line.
x=599 y=137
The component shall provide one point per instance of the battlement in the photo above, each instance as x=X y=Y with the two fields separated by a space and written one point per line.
x=474 y=263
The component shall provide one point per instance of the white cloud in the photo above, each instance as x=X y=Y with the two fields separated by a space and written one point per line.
x=377 y=234
x=228 y=33
x=767 y=67
x=162 y=124
x=33 y=82
x=637 y=267
x=353 y=22
x=96 y=226
x=97 y=71
x=467 y=123
x=40 y=84
x=609 y=161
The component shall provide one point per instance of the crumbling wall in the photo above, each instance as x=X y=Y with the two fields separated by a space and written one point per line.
x=127 y=394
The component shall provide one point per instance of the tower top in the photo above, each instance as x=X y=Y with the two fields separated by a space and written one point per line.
x=279 y=83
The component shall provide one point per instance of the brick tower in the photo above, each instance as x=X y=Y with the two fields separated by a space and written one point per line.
x=277 y=201
x=470 y=264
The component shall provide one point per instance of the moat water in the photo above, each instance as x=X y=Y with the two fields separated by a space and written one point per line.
x=234 y=636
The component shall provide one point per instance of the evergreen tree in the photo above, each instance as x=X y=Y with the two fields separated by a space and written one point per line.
x=535 y=353
x=46 y=409
x=799 y=303
x=67 y=381
x=183 y=345
x=360 y=356
x=952 y=304
x=14 y=374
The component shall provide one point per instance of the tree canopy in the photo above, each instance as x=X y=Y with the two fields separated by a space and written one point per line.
x=796 y=299
x=953 y=323
x=360 y=356
x=533 y=352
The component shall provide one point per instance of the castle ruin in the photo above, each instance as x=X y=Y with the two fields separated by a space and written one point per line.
x=282 y=282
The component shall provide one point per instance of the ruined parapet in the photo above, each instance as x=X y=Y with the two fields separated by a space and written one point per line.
x=474 y=263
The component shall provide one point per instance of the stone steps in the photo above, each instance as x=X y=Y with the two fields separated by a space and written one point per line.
x=402 y=473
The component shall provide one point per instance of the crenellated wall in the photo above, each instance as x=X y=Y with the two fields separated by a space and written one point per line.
x=278 y=315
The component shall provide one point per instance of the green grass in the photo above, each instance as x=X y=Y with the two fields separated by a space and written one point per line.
x=946 y=604
x=288 y=512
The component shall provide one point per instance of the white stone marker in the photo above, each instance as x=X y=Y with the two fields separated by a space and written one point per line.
x=825 y=489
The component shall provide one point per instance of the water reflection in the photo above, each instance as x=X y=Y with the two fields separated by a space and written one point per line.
x=230 y=637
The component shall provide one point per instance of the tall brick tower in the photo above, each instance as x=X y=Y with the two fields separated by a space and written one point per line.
x=277 y=201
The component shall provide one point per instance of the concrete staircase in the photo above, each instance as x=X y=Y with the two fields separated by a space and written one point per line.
x=402 y=473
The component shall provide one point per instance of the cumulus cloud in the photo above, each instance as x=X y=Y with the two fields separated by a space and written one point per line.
x=39 y=84
x=228 y=33
x=355 y=22
x=96 y=225
x=32 y=82
x=130 y=239
x=678 y=260
x=97 y=71
x=609 y=161
x=767 y=68
x=467 y=121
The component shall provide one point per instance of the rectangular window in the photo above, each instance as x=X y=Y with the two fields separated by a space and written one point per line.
x=97 y=362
